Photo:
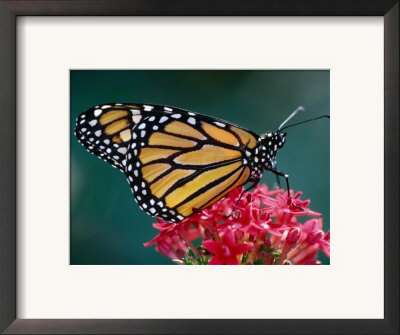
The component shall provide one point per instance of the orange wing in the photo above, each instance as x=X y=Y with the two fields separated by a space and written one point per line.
x=175 y=160
x=106 y=130
x=182 y=162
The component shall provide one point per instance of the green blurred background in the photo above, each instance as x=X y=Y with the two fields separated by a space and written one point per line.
x=107 y=226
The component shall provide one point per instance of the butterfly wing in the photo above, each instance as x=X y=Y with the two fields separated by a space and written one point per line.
x=106 y=130
x=176 y=161
x=180 y=161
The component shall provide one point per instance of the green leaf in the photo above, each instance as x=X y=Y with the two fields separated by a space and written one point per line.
x=276 y=254
x=191 y=253
x=263 y=248
x=203 y=261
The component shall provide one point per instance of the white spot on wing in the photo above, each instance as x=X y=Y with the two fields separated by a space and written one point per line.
x=136 y=118
x=93 y=122
x=97 y=112
x=148 y=108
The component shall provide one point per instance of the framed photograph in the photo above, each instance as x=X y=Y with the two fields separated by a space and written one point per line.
x=166 y=151
x=140 y=135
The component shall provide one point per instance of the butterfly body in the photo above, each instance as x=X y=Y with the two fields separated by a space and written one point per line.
x=176 y=161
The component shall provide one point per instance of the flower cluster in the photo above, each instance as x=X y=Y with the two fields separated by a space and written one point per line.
x=259 y=227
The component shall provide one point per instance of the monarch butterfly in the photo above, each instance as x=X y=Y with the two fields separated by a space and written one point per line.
x=177 y=161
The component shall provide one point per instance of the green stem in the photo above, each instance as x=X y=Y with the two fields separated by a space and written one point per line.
x=190 y=245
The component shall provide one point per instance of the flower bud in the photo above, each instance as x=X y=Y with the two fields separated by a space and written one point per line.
x=293 y=235
x=180 y=254
x=269 y=259
x=315 y=236
x=267 y=243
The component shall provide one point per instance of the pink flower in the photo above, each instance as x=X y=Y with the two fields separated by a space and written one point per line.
x=226 y=251
x=259 y=227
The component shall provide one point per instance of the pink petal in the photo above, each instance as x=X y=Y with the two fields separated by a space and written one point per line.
x=232 y=261
x=216 y=260
x=212 y=246
x=229 y=237
x=242 y=248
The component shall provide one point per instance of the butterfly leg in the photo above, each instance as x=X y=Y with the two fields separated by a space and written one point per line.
x=278 y=174
x=255 y=183
x=286 y=176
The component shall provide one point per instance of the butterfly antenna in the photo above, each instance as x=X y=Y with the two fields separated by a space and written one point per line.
x=316 y=118
x=298 y=109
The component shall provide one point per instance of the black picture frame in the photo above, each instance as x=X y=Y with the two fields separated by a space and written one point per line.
x=9 y=10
